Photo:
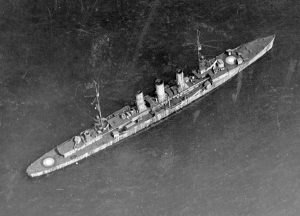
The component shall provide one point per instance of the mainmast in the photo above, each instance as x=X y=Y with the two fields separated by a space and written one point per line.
x=98 y=102
x=199 y=48
x=201 y=60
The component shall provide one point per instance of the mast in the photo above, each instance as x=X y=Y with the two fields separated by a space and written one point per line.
x=98 y=101
x=199 y=48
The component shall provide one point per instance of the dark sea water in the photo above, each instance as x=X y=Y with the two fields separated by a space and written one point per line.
x=236 y=152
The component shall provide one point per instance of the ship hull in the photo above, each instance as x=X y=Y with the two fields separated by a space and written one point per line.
x=194 y=93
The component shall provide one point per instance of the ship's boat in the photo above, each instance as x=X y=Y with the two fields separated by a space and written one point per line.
x=152 y=109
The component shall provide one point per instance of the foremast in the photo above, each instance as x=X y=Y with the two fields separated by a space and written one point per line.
x=98 y=107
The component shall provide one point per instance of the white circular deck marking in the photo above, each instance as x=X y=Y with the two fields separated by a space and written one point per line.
x=230 y=60
x=48 y=162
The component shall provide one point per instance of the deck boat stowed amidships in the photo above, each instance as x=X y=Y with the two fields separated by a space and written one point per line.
x=149 y=110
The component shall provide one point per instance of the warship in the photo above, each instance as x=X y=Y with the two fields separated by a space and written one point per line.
x=148 y=110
